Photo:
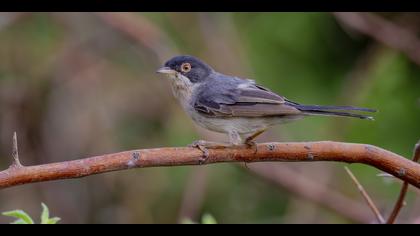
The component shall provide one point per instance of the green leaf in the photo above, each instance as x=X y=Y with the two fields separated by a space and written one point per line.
x=208 y=219
x=53 y=221
x=19 y=222
x=45 y=216
x=23 y=217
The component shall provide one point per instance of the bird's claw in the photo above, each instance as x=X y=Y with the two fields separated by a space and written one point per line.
x=253 y=145
x=201 y=144
x=196 y=143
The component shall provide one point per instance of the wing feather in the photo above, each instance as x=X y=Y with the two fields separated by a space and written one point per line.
x=246 y=100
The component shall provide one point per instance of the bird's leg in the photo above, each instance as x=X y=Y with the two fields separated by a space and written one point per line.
x=234 y=140
x=249 y=141
x=204 y=146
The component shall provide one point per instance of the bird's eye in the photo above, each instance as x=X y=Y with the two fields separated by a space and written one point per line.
x=186 y=67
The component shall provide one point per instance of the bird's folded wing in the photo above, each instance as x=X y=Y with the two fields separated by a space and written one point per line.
x=246 y=101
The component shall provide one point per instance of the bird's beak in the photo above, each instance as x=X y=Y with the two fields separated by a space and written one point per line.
x=166 y=70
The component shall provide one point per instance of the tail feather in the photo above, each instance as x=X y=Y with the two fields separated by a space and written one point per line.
x=339 y=108
x=336 y=113
x=332 y=110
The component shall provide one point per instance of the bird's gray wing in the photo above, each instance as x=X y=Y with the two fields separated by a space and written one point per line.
x=244 y=100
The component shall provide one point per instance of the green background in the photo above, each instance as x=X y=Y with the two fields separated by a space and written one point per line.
x=80 y=84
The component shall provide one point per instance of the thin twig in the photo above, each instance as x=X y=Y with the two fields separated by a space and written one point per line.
x=400 y=202
x=366 y=196
x=15 y=153
x=294 y=151
x=309 y=189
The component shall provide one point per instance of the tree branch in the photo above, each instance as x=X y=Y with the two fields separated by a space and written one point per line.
x=366 y=196
x=400 y=202
x=298 y=151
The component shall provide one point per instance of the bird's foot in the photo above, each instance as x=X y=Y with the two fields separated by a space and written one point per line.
x=204 y=146
x=252 y=145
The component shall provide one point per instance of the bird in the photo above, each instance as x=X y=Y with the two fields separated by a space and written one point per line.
x=238 y=107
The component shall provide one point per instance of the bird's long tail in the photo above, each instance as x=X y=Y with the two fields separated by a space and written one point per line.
x=332 y=110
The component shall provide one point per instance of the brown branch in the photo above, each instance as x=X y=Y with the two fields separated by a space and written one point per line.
x=400 y=202
x=366 y=196
x=295 y=151
x=384 y=31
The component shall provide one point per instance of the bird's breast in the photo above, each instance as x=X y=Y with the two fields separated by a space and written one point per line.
x=182 y=89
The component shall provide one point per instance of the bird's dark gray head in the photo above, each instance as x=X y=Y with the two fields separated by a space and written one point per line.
x=192 y=68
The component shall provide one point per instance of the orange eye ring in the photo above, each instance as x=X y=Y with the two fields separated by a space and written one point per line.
x=186 y=67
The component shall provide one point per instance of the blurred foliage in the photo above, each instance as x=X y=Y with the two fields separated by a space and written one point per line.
x=24 y=218
x=207 y=219
x=79 y=84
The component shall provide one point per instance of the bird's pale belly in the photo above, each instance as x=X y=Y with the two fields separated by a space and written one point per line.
x=237 y=124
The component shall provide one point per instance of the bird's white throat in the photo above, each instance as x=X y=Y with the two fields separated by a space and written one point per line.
x=182 y=88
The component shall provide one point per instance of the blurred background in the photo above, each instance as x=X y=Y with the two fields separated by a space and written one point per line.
x=75 y=85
